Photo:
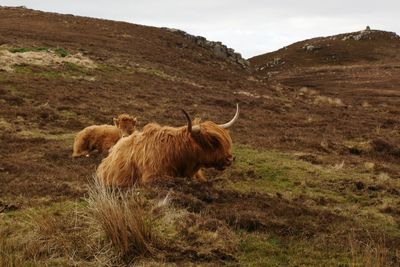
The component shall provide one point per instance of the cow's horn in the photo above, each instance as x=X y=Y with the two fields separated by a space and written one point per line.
x=232 y=121
x=191 y=129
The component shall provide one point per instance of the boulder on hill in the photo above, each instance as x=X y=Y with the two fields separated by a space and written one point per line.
x=218 y=48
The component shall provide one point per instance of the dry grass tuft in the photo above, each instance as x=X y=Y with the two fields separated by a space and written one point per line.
x=141 y=228
x=8 y=59
x=7 y=257
x=115 y=227
x=371 y=253
x=55 y=236
x=124 y=220
x=321 y=100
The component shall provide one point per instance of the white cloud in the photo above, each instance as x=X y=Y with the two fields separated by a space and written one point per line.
x=250 y=27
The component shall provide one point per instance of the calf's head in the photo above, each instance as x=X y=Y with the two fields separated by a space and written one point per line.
x=126 y=123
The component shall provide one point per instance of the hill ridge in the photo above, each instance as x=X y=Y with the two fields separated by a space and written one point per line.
x=340 y=49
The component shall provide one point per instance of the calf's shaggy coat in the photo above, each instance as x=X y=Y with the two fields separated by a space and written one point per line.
x=102 y=137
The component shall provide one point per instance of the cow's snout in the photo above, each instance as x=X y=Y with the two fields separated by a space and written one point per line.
x=229 y=160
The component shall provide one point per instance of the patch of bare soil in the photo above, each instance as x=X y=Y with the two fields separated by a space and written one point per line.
x=23 y=175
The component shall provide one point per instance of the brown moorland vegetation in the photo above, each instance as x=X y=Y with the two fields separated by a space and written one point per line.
x=316 y=177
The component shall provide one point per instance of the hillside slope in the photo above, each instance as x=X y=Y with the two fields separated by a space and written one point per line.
x=349 y=83
x=317 y=149
x=367 y=46
x=107 y=68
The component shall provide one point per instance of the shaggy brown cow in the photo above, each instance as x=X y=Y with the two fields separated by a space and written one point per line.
x=102 y=137
x=168 y=152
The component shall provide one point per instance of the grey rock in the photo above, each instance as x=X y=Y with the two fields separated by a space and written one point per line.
x=311 y=48
x=218 y=48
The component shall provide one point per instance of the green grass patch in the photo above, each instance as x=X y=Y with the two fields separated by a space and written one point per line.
x=74 y=69
x=43 y=236
x=23 y=69
x=273 y=171
x=261 y=249
x=36 y=71
x=68 y=114
x=266 y=172
x=68 y=70
x=323 y=187
x=28 y=49
x=59 y=51
x=3 y=77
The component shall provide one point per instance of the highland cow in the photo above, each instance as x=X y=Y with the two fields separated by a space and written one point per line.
x=102 y=137
x=163 y=151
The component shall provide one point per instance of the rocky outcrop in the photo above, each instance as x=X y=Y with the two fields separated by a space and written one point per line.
x=272 y=63
x=311 y=48
x=219 y=49
x=366 y=34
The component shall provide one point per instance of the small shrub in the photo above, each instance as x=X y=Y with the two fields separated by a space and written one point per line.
x=61 y=52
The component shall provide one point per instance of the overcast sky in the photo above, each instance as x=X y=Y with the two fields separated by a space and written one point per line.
x=251 y=27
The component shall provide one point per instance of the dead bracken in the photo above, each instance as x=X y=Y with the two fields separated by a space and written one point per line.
x=40 y=58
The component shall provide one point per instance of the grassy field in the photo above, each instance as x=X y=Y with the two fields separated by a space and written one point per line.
x=287 y=212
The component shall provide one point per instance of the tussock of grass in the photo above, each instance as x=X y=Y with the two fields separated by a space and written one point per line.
x=111 y=229
x=57 y=235
x=373 y=253
x=60 y=236
x=141 y=227
x=123 y=219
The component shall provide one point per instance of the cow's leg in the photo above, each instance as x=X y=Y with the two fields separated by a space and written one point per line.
x=199 y=176
x=85 y=153
x=148 y=178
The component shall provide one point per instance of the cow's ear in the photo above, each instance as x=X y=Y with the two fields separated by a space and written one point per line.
x=115 y=120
